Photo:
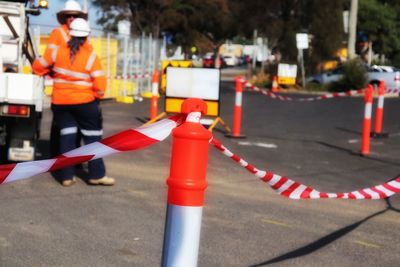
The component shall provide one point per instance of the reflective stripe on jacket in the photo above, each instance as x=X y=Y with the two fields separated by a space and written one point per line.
x=59 y=37
x=74 y=83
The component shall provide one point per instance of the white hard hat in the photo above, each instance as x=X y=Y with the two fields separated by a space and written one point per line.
x=79 y=28
x=71 y=7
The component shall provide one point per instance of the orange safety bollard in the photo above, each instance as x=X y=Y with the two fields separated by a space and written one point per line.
x=365 y=142
x=217 y=62
x=186 y=187
x=237 y=112
x=379 y=112
x=154 y=95
x=275 y=86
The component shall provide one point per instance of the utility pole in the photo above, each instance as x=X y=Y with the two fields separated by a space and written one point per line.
x=255 y=46
x=86 y=6
x=351 y=53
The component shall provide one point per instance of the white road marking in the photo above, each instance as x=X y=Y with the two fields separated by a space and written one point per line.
x=264 y=145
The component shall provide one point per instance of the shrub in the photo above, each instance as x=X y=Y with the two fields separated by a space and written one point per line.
x=315 y=87
x=354 y=77
x=261 y=79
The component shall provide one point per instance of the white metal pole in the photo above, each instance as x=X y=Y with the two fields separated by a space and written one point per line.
x=36 y=37
x=142 y=62
x=137 y=67
x=303 y=75
x=352 y=29
x=255 y=46
x=130 y=61
x=1 y=56
x=125 y=65
x=149 y=62
x=109 y=62
x=86 y=4
x=369 y=53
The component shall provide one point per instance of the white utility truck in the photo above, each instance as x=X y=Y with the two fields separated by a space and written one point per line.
x=21 y=92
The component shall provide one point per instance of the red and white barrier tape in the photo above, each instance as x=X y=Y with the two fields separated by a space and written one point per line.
x=392 y=91
x=304 y=99
x=294 y=190
x=147 y=135
x=127 y=140
x=49 y=80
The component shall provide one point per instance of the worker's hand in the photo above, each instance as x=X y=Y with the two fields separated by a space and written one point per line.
x=99 y=94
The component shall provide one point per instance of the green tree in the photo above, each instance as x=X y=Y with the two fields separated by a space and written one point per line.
x=379 y=21
x=200 y=22
x=279 y=21
x=207 y=23
x=143 y=14
x=326 y=28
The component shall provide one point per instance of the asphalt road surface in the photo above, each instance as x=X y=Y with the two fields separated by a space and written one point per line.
x=245 y=223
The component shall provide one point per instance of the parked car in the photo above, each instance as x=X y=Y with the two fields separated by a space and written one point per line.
x=209 y=60
x=375 y=74
x=382 y=68
x=230 y=60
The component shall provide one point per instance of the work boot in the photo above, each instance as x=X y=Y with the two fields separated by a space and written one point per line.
x=68 y=182
x=102 y=181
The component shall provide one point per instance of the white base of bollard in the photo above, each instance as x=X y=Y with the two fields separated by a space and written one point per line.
x=182 y=236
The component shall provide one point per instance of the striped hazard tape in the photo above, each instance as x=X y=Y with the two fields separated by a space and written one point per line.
x=303 y=99
x=127 y=140
x=392 y=91
x=294 y=190
x=147 y=135
x=49 y=80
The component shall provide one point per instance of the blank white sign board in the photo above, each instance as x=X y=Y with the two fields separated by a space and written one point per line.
x=193 y=82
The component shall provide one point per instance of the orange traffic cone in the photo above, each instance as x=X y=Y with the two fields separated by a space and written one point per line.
x=275 y=86
x=154 y=95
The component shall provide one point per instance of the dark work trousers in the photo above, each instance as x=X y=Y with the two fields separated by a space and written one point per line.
x=88 y=119
x=55 y=139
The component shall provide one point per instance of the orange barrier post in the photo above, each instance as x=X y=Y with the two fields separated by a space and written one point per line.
x=379 y=112
x=275 y=86
x=186 y=187
x=217 y=62
x=154 y=95
x=237 y=112
x=365 y=142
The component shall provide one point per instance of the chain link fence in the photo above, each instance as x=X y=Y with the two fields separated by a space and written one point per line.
x=128 y=61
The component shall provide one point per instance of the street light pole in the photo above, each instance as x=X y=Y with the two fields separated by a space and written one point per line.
x=352 y=29
x=86 y=6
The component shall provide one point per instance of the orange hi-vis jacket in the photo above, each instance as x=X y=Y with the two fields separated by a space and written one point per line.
x=59 y=37
x=77 y=82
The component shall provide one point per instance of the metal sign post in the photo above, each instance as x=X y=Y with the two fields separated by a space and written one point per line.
x=301 y=61
x=1 y=56
x=302 y=43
